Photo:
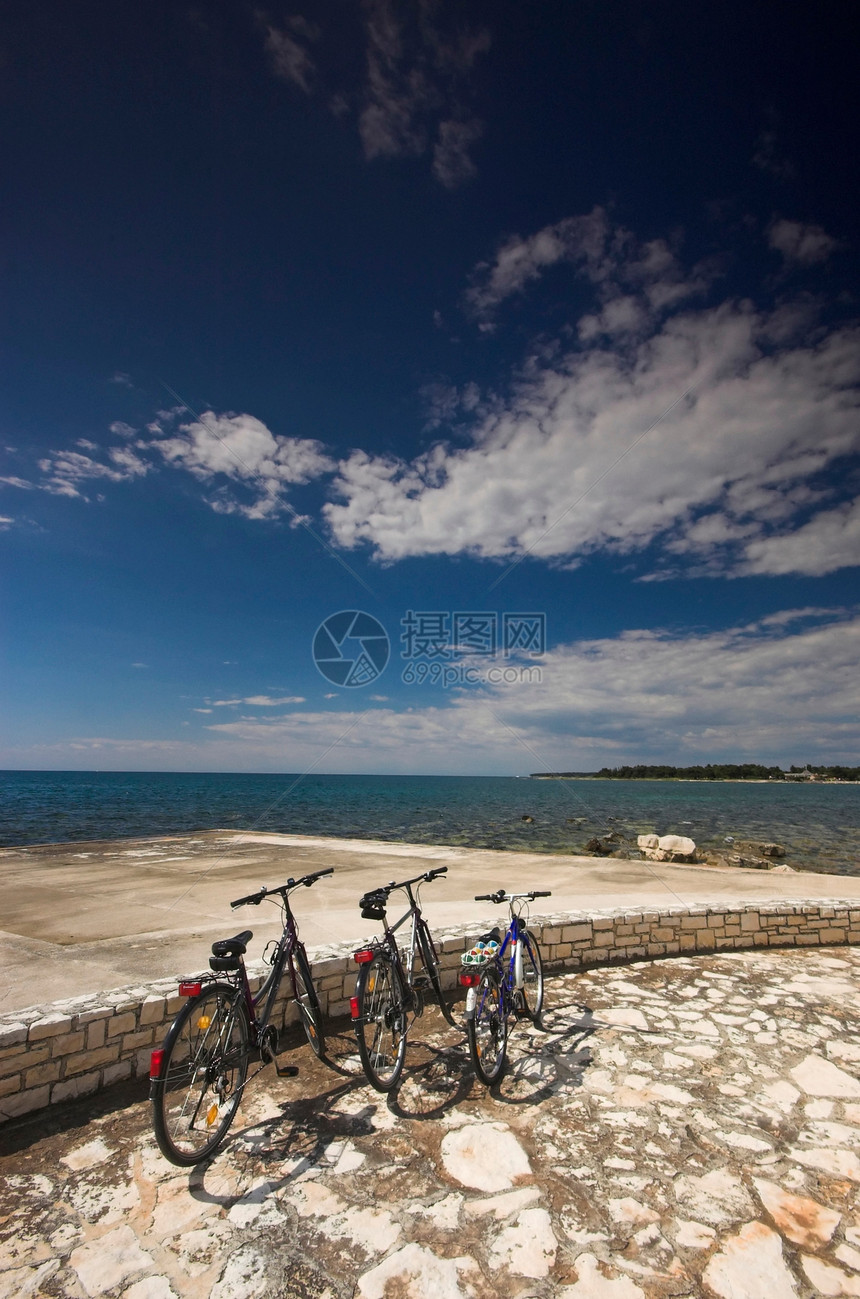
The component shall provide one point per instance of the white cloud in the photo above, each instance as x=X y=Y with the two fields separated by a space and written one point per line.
x=65 y=471
x=452 y=162
x=416 y=76
x=122 y=429
x=802 y=244
x=830 y=540
x=267 y=701
x=241 y=448
x=289 y=55
x=22 y=483
x=606 y=255
x=564 y=465
x=784 y=689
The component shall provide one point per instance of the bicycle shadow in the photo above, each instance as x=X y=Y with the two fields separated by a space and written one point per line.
x=548 y=1058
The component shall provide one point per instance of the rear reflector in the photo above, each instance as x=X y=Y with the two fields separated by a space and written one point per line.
x=362 y=958
x=469 y=980
x=156 y=1059
x=353 y=1007
x=189 y=989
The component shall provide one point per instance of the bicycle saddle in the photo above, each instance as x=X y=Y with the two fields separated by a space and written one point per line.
x=494 y=936
x=233 y=946
x=373 y=904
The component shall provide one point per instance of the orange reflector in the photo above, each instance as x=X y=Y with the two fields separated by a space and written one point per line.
x=469 y=980
x=362 y=958
x=353 y=1007
x=212 y=1114
x=189 y=989
x=156 y=1059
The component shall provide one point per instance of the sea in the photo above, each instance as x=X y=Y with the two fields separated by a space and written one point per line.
x=817 y=824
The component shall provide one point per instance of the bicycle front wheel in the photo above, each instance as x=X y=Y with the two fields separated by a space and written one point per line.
x=308 y=1003
x=487 y=1028
x=532 y=975
x=381 y=1023
x=431 y=965
x=203 y=1070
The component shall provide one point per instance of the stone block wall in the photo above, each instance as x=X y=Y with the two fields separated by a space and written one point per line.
x=55 y=1053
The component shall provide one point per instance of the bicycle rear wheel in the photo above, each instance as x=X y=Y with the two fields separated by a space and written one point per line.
x=381 y=1024
x=203 y=1069
x=487 y=1028
x=532 y=975
x=308 y=1003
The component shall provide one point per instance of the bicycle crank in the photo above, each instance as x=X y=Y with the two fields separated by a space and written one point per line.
x=268 y=1046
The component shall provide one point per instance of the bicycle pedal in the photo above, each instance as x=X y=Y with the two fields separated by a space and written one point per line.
x=421 y=983
x=285 y=1070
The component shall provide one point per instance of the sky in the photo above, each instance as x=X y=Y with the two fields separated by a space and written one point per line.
x=520 y=341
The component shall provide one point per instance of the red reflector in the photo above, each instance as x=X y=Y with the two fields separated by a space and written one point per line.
x=155 y=1061
x=469 y=980
x=362 y=958
x=189 y=989
x=353 y=1007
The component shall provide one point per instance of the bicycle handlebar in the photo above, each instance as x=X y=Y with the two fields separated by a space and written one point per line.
x=501 y=896
x=254 y=899
x=380 y=895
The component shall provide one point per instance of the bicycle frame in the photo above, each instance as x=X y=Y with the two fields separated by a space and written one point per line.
x=396 y=954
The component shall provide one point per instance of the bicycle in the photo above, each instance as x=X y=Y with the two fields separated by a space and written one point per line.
x=388 y=987
x=197 y=1077
x=509 y=984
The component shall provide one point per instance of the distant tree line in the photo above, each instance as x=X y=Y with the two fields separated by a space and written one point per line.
x=711 y=771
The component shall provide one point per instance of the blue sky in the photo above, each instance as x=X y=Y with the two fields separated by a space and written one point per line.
x=452 y=308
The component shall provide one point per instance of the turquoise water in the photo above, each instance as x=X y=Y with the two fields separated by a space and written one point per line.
x=818 y=824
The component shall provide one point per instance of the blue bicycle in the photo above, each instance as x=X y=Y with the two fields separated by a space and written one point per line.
x=507 y=985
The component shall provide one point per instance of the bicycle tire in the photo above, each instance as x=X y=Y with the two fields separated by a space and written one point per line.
x=431 y=966
x=308 y=1003
x=202 y=1074
x=532 y=976
x=381 y=1026
x=487 y=1028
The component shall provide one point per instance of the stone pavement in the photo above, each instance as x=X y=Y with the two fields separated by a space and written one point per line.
x=682 y=1127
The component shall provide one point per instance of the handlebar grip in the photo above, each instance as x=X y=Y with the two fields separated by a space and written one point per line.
x=252 y=900
x=317 y=875
x=483 y=897
x=543 y=893
x=436 y=872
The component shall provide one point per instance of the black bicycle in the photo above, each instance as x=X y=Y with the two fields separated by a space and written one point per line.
x=198 y=1075
x=389 y=988
x=509 y=983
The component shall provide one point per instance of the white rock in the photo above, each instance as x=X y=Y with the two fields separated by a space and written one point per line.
x=850 y=1257
x=803 y=1221
x=783 y=1094
x=717 y=1198
x=246 y=1276
x=838 y=1163
x=624 y=1017
x=593 y=1284
x=528 y=1247
x=484 y=1156
x=648 y=841
x=416 y=1273
x=151 y=1287
x=819 y=1077
x=630 y=1210
x=22 y=1282
x=694 y=1235
x=829 y=1280
x=677 y=844
x=105 y=1263
x=87 y=1156
x=750 y=1265
x=503 y=1206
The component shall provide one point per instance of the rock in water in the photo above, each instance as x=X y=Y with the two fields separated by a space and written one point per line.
x=668 y=847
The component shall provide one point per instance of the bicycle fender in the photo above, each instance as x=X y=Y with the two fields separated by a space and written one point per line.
x=471 y=1002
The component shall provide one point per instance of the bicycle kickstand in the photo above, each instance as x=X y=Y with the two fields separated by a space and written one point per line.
x=267 y=1053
